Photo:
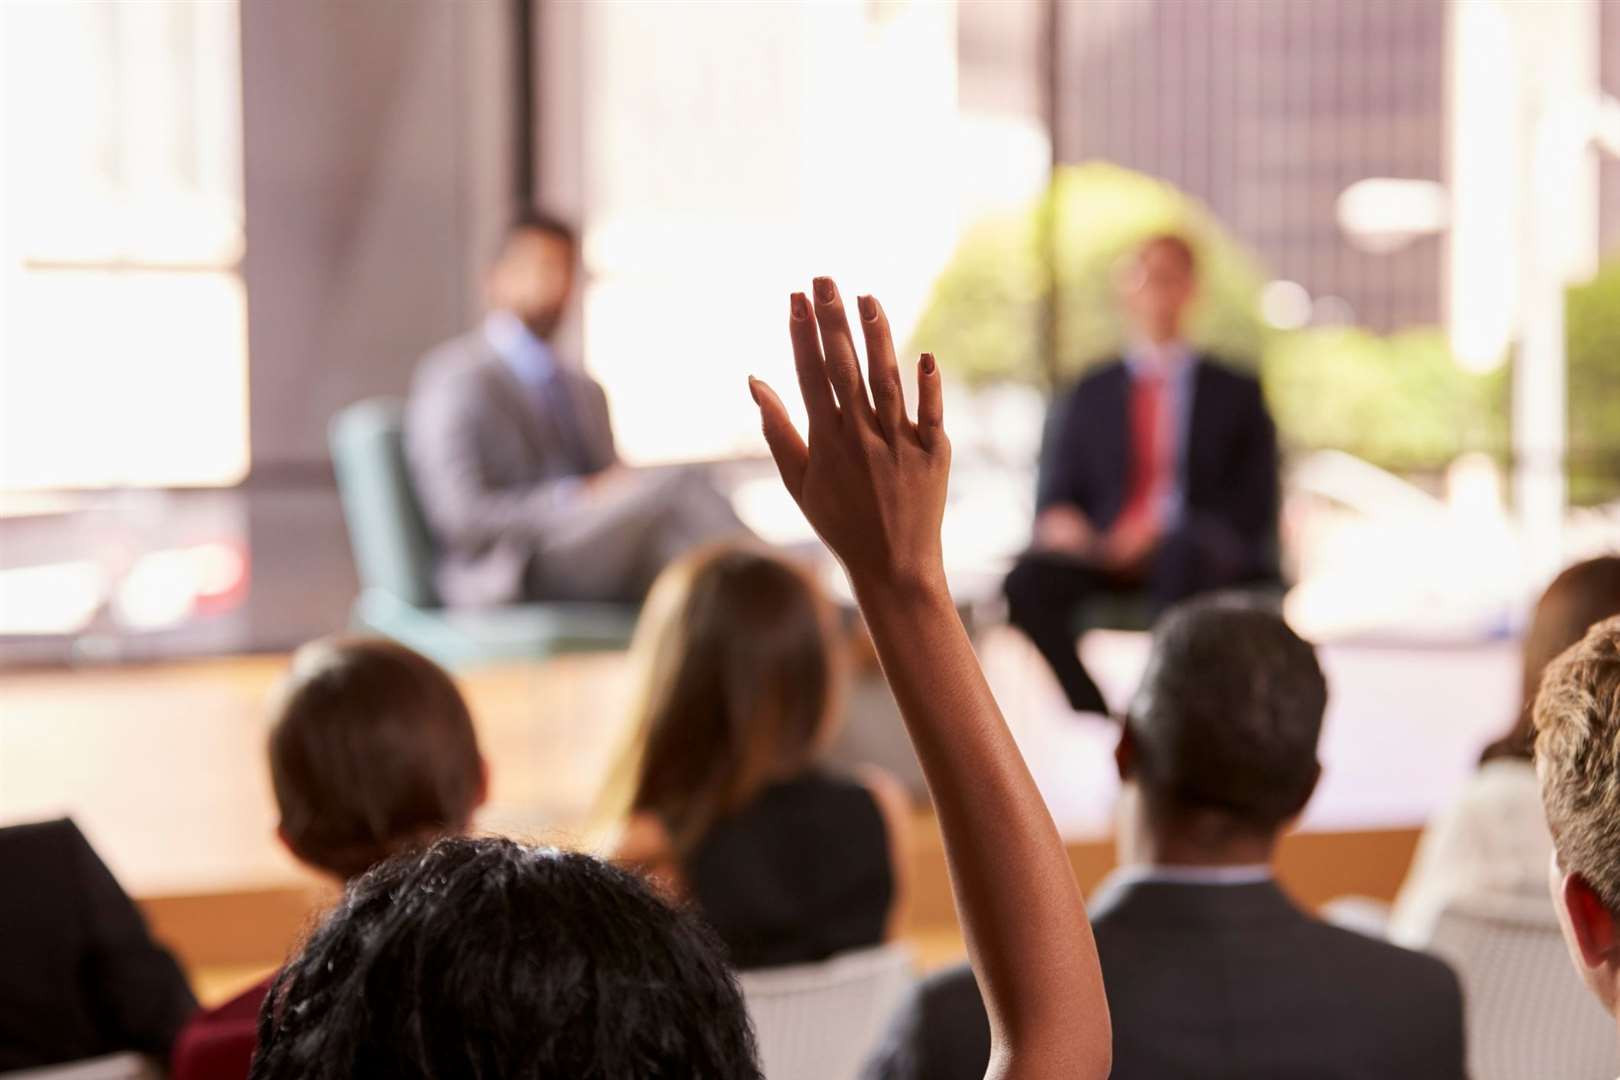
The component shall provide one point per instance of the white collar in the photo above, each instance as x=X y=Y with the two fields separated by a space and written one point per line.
x=1146 y=357
x=1156 y=874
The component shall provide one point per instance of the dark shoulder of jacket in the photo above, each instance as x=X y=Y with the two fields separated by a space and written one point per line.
x=952 y=984
x=1419 y=975
x=1079 y=393
x=1098 y=372
x=58 y=837
x=1237 y=379
x=951 y=1024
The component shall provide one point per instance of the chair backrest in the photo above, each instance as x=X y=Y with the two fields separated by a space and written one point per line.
x=393 y=549
x=112 y=1067
x=822 y=1021
x=1528 y=1016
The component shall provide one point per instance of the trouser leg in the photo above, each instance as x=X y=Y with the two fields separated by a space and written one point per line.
x=619 y=540
x=1043 y=595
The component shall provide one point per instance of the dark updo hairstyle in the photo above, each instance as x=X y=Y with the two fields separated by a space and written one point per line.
x=489 y=959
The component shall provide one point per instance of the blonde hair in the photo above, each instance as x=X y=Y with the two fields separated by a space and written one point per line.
x=1577 y=718
x=739 y=672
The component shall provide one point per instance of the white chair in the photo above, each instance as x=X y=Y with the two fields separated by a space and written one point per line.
x=821 y=1021
x=1528 y=1015
x=111 y=1067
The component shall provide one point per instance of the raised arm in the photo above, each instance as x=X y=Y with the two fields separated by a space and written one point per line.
x=873 y=483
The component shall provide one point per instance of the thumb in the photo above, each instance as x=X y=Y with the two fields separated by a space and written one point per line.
x=792 y=457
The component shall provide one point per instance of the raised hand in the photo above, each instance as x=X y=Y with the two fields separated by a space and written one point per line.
x=871 y=481
x=873 y=484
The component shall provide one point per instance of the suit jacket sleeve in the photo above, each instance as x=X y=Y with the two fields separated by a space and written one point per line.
x=465 y=508
x=140 y=992
x=940 y=1032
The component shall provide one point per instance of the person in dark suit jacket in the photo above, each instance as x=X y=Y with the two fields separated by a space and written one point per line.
x=1211 y=970
x=80 y=976
x=512 y=454
x=1160 y=473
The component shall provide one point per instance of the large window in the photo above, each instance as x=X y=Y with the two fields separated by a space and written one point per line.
x=731 y=151
x=123 y=345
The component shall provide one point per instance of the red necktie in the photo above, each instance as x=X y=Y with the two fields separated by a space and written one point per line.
x=1147 y=444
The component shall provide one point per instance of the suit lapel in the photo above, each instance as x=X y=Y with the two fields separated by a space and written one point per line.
x=1113 y=435
x=1198 y=434
x=539 y=432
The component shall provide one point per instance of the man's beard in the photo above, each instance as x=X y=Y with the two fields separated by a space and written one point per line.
x=543 y=324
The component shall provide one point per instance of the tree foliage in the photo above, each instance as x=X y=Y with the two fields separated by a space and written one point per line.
x=1593 y=322
x=988 y=305
x=1399 y=401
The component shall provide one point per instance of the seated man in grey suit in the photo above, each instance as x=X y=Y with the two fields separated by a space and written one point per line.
x=512 y=454
x=1211 y=970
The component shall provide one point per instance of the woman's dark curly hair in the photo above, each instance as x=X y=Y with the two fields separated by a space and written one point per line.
x=488 y=959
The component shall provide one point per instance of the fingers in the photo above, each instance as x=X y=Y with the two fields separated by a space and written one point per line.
x=792 y=457
x=843 y=365
x=888 y=399
x=930 y=404
x=818 y=395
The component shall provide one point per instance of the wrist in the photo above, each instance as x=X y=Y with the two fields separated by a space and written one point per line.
x=895 y=590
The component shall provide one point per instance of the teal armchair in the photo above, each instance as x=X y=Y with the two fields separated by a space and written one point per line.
x=393 y=553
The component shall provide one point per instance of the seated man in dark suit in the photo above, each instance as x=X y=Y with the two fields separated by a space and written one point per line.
x=1160 y=474
x=512 y=454
x=1211 y=971
x=80 y=976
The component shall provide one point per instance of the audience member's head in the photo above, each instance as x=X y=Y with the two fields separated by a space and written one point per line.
x=487 y=958
x=1584 y=594
x=1160 y=283
x=532 y=274
x=740 y=669
x=1577 y=719
x=1219 y=746
x=372 y=752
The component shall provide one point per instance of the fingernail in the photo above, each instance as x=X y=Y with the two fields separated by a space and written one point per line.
x=801 y=306
x=753 y=389
x=868 y=308
x=825 y=290
x=928 y=363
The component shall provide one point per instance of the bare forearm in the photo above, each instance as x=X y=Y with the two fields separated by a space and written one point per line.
x=874 y=485
x=1021 y=909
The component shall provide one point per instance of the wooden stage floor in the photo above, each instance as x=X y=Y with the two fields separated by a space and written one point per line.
x=163 y=767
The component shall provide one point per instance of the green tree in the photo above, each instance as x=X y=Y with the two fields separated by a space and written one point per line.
x=989 y=304
x=1593 y=327
x=1400 y=402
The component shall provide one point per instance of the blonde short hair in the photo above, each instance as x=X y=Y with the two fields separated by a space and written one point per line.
x=1577 y=718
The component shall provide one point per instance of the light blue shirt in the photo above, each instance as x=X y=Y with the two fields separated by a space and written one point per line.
x=1178 y=396
x=528 y=357
x=534 y=365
